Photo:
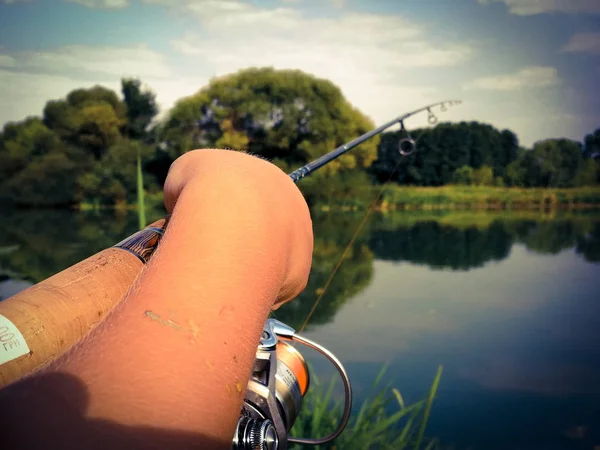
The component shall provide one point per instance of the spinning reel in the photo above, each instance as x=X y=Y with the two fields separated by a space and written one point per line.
x=275 y=392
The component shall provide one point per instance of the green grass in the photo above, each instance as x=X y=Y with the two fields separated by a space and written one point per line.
x=484 y=197
x=482 y=219
x=375 y=426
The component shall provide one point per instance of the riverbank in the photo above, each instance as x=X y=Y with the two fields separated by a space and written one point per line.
x=395 y=197
x=484 y=197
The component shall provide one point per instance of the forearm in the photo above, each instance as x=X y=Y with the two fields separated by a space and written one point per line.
x=177 y=353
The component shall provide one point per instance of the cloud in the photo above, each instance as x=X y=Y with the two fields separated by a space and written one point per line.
x=384 y=64
x=583 y=43
x=526 y=78
x=7 y=61
x=108 y=4
x=372 y=58
x=99 y=60
x=29 y=79
x=376 y=66
x=533 y=7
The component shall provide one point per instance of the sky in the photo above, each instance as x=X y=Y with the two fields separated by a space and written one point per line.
x=532 y=66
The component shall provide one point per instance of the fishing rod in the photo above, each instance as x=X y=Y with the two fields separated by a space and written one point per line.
x=406 y=145
x=45 y=320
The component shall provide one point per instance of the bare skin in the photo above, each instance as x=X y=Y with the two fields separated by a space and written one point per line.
x=170 y=364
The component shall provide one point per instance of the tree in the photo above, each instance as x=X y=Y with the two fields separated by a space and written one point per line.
x=112 y=179
x=141 y=108
x=286 y=116
x=484 y=176
x=443 y=150
x=20 y=142
x=463 y=176
x=592 y=145
x=89 y=118
x=47 y=181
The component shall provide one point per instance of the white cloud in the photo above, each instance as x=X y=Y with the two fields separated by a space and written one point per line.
x=7 y=61
x=372 y=58
x=532 y=7
x=384 y=64
x=375 y=68
x=526 y=78
x=108 y=4
x=29 y=79
x=105 y=60
x=584 y=43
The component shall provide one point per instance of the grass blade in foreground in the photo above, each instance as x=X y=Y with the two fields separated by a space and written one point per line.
x=140 y=194
x=374 y=427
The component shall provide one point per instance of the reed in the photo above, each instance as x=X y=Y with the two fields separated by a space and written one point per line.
x=383 y=420
x=141 y=206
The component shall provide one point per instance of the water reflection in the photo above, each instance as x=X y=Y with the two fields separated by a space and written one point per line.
x=441 y=242
x=36 y=244
x=442 y=246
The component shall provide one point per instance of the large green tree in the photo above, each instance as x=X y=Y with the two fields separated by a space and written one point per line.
x=36 y=167
x=550 y=163
x=91 y=119
x=444 y=149
x=141 y=108
x=286 y=116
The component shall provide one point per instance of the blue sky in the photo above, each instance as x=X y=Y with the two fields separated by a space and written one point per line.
x=529 y=65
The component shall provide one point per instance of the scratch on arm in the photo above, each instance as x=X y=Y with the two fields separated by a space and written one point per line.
x=168 y=322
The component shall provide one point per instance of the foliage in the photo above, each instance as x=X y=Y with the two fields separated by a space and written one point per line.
x=463 y=175
x=285 y=116
x=484 y=176
x=84 y=147
x=80 y=150
x=552 y=163
x=88 y=118
x=141 y=108
x=444 y=149
x=113 y=179
x=486 y=197
x=375 y=426
x=592 y=145
x=48 y=180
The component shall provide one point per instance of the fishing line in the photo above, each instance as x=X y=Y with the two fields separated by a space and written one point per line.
x=371 y=208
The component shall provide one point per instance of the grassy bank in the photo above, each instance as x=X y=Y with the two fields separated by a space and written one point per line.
x=383 y=420
x=448 y=198
x=484 y=197
x=482 y=219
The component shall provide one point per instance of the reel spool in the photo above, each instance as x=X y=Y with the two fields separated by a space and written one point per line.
x=276 y=389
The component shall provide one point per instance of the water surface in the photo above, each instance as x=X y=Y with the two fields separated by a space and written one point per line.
x=508 y=303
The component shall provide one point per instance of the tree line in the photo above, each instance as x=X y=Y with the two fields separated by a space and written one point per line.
x=84 y=147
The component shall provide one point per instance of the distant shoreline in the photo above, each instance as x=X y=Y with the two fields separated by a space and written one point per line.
x=412 y=198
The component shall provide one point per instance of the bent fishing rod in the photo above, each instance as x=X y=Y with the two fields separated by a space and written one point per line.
x=45 y=320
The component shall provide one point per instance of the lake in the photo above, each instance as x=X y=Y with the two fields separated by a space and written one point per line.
x=508 y=303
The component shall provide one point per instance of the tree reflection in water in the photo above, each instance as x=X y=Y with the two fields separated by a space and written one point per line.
x=36 y=244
